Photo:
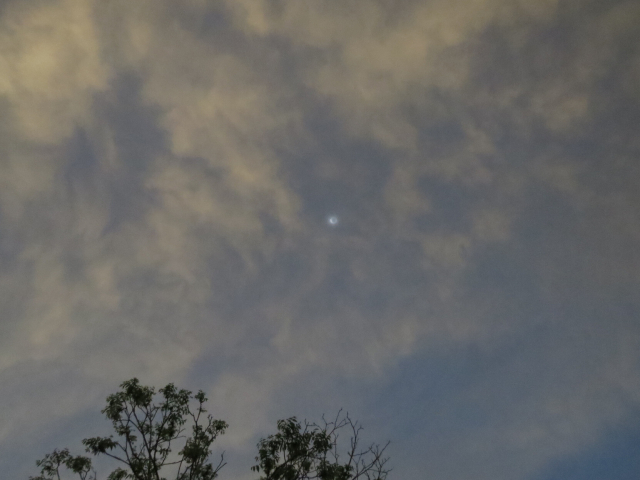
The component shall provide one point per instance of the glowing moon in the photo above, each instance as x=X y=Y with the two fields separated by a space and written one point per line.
x=333 y=220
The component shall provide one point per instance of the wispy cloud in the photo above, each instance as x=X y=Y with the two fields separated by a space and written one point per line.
x=166 y=175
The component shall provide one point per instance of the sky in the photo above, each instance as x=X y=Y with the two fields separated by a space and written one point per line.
x=424 y=212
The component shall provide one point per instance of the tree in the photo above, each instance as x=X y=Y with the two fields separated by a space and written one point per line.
x=146 y=432
x=311 y=451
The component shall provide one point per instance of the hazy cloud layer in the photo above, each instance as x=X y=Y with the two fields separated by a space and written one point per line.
x=167 y=172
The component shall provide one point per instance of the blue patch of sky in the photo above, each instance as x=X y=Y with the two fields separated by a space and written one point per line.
x=138 y=138
x=83 y=166
x=11 y=244
x=212 y=23
x=616 y=456
x=361 y=171
x=503 y=269
x=439 y=396
x=436 y=139
x=450 y=205
x=547 y=215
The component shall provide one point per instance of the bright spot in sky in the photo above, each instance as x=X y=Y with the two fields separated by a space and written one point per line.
x=333 y=220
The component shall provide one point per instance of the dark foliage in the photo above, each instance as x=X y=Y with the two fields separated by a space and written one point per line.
x=311 y=451
x=146 y=432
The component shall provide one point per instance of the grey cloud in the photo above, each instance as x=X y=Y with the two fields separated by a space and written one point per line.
x=163 y=215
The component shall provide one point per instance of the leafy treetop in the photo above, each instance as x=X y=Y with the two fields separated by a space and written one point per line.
x=146 y=433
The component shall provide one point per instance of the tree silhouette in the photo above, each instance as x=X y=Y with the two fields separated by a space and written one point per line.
x=311 y=451
x=146 y=435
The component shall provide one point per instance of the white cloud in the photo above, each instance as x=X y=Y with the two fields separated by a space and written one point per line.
x=51 y=65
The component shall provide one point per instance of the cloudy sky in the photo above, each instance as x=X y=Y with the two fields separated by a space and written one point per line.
x=168 y=172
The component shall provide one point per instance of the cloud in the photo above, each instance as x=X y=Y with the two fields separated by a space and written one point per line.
x=379 y=58
x=51 y=66
x=166 y=174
